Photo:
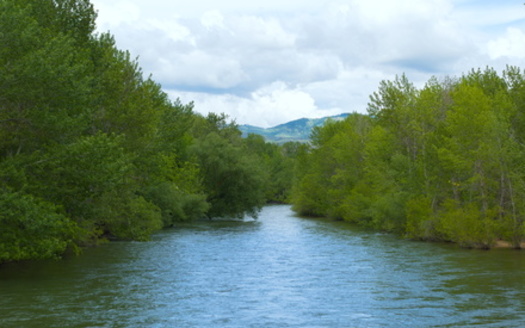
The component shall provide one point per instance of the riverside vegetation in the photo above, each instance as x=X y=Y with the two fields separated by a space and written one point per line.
x=91 y=150
x=444 y=162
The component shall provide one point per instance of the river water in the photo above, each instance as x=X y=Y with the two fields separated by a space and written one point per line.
x=278 y=271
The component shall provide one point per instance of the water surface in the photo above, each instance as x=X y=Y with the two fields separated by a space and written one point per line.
x=278 y=271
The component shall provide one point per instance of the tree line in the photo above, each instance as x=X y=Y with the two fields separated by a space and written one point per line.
x=91 y=150
x=441 y=162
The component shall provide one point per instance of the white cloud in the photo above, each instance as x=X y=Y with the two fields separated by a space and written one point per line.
x=199 y=68
x=265 y=62
x=114 y=13
x=405 y=34
x=212 y=19
x=511 y=44
x=172 y=29
x=349 y=92
x=266 y=107
x=262 y=33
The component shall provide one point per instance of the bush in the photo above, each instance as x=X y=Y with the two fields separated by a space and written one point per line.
x=32 y=228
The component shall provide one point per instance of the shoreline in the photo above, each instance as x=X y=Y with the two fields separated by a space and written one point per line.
x=506 y=244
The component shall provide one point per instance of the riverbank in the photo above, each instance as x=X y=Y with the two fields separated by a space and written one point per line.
x=506 y=244
x=499 y=244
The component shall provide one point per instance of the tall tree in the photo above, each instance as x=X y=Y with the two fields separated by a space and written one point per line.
x=233 y=178
x=441 y=162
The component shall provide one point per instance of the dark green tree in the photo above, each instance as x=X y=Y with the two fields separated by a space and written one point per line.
x=232 y=178
x=32 y=228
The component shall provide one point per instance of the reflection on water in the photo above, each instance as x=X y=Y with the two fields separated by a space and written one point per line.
x=278 y=271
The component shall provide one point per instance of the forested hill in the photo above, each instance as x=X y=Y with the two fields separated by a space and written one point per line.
x=298 y=130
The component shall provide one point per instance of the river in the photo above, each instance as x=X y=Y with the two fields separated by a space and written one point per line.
x=277 y=271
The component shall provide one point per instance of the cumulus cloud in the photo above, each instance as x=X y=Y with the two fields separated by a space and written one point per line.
x=511 y=44
x=265 y=62
x=113 y=14
x=266 y=107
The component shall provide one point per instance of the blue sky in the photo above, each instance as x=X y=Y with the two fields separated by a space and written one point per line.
x=268 y=62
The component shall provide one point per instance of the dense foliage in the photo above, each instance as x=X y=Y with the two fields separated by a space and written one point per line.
x=444 y=162
x=91 y=150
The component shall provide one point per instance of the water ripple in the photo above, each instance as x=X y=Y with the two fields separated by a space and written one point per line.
x=278 y=271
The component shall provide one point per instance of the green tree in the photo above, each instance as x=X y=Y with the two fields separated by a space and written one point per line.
x=331 y=169
x=75 y=18
x=32 y=228
x=277 y=163
x=85 y=138
x=438 y=163
x=232 y=178
x=32 y=63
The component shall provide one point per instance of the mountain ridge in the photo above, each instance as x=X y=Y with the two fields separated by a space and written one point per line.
x=297 y=130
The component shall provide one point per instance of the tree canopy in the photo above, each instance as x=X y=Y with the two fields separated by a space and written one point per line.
x=91 y=150
x=443 y=162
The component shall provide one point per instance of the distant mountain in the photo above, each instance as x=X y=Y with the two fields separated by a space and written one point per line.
x=298 y=130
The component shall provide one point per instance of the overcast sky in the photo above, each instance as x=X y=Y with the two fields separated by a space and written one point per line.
x=266 y=62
